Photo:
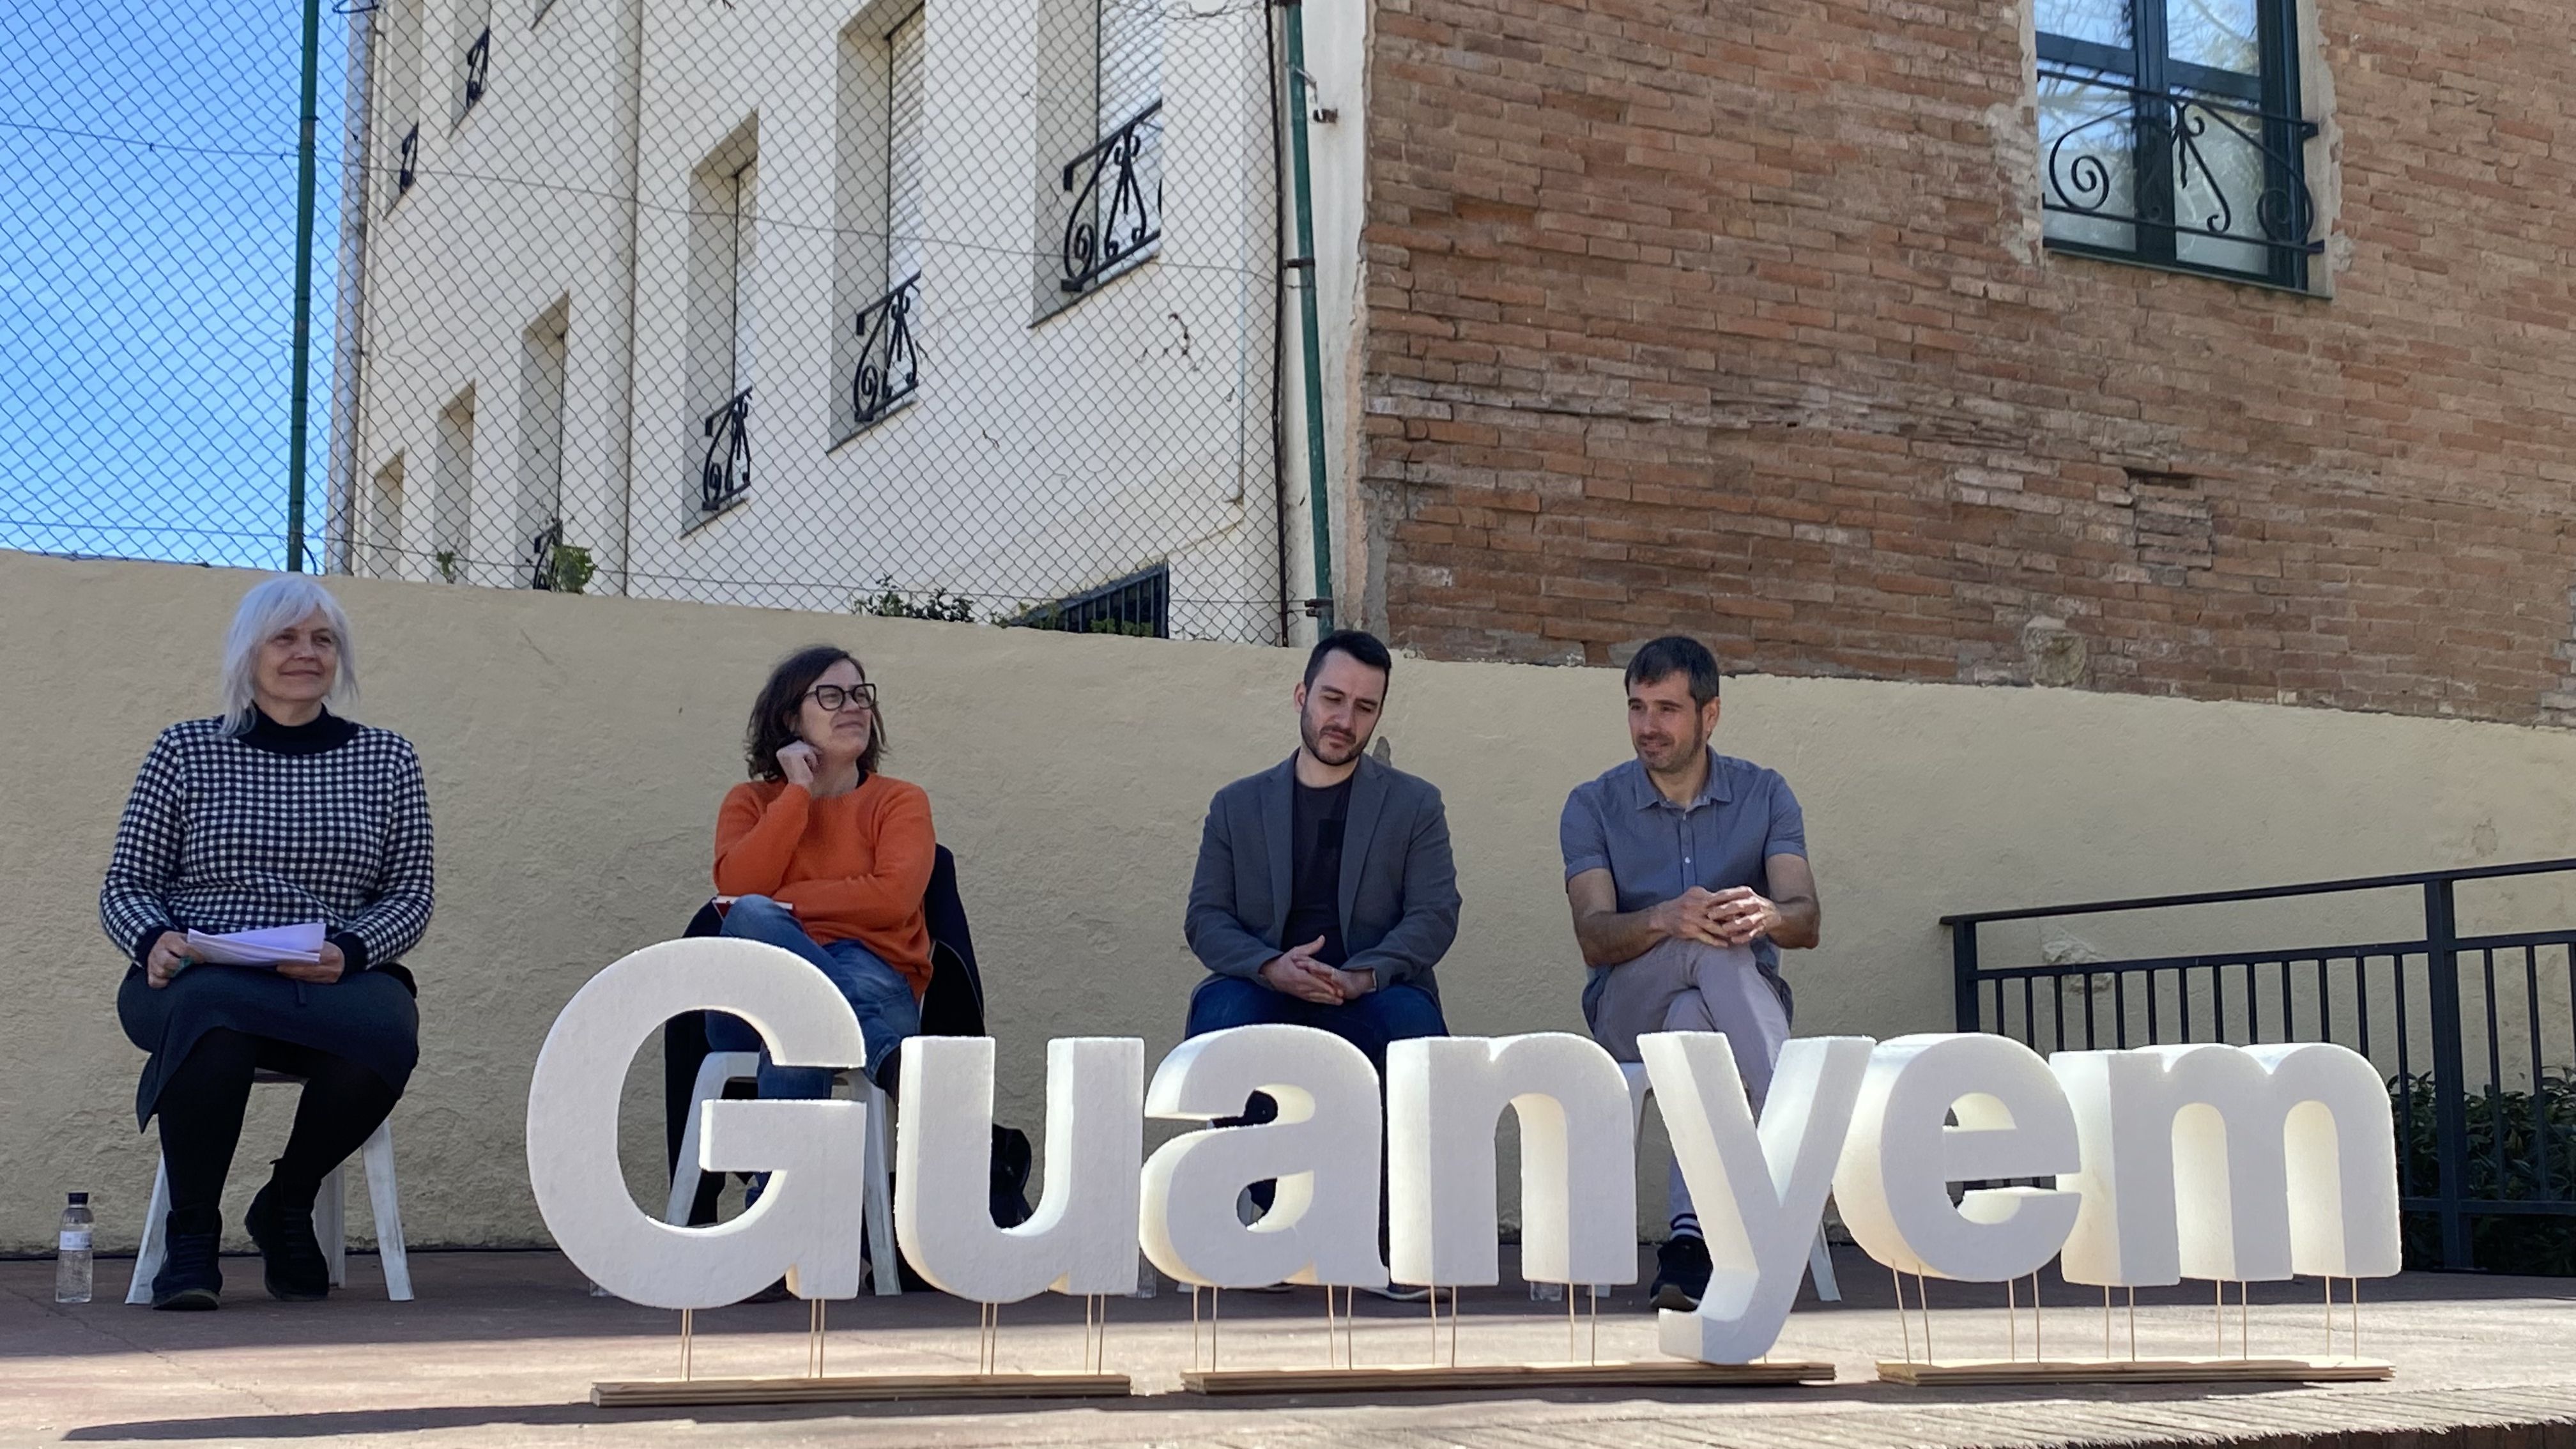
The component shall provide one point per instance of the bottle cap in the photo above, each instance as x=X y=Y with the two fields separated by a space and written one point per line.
x=80 y=1199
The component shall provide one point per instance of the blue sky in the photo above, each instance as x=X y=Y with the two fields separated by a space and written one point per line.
x=147 y=269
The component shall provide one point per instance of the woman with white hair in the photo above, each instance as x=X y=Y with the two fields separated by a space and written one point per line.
x=276 y=813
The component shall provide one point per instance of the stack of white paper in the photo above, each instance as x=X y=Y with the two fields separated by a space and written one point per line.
x=259 y=948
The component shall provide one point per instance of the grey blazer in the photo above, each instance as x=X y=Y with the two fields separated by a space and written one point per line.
x=1399 y=888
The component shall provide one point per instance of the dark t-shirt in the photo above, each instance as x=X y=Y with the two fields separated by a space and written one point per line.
x=1315 y=907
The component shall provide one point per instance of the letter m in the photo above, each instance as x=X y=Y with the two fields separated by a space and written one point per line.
x=2222 y=1162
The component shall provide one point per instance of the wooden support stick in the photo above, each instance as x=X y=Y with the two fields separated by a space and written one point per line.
x=1904 y=1324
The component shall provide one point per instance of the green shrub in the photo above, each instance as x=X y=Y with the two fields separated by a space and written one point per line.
x=570 y=568
x=890 y=602
x=2513 y=1138
x=1053 y=616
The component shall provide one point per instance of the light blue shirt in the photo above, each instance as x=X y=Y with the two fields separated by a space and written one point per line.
x=1655 y=849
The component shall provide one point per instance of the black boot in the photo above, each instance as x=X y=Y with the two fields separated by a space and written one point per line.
x=189 y=1280
x=290 y=1254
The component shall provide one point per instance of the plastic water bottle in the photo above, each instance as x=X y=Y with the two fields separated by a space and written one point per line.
x=71 y=1252
x=1547 y=1292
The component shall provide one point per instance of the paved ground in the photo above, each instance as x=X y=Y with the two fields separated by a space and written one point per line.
x=500 y=1350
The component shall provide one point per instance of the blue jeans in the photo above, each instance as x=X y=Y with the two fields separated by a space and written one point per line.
x=880 y=995
x=1389 y=1014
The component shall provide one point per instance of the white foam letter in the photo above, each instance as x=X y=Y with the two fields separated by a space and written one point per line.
x=805 y=1224
x=1082 y=1239
x=2223 y=1162
x=1322 y=1225
x=1444 y=1097
x=1759 y=1194
x=1897 y=1167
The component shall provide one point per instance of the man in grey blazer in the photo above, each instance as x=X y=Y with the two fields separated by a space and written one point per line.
x=1325 y=893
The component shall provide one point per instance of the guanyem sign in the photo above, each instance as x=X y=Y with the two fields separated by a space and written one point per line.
x=2209 y=1162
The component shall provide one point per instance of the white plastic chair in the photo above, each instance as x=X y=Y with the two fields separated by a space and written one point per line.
x=722 y=1068
x=330 y=1215
x=1820 y=1257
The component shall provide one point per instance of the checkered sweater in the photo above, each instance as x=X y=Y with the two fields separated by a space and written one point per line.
x=222 y=835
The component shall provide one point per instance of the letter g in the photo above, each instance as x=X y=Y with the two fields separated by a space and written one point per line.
x=804 y=1224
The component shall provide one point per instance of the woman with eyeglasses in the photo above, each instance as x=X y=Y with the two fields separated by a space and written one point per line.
x=828 y=858
x=277 y=812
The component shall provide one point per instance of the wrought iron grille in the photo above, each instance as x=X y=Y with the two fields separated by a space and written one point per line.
x=2171 y=134
x=889 y=367
x=1112 y=221
x=478 y=66
x=409 y=169
x=2182 y=165
x=541 y=559
x=725 y=473
x=1138 y=605
x=2473 y=1031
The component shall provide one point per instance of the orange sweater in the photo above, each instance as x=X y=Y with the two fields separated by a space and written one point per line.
x=853 y=866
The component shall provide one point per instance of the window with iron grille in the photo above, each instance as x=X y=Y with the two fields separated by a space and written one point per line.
x=398 y=58
x=879 y=362
x=2170 y=133
x=723 y=321
x=1116 y=218
x=473 y=58
x=537 y=515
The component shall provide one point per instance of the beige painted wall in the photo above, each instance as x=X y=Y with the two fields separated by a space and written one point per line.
x=576 y=749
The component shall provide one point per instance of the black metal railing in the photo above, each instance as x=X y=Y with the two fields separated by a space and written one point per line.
x=2475 y=1033
x=407 y=169
x=2162 y=141
x=1139 y=605
x=478 y=67
x=1113 y=221
x=889 y=367
x=725 y=473
x=541 y=554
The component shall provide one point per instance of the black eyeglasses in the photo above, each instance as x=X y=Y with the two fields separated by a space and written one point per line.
x=834 y=697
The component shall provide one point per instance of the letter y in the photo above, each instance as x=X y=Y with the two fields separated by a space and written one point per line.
x=1759 y=1194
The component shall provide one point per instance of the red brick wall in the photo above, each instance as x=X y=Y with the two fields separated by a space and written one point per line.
x=1730 y=317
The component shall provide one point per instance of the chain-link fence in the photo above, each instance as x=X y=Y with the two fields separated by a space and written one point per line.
x=965 y=308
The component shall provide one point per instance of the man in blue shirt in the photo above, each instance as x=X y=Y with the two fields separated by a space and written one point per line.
x=1687 y=873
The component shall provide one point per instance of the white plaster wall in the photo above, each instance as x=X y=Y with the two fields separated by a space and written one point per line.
x=1039 y=458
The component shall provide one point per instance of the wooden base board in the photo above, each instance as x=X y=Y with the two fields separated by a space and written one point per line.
x=1966 y=1372
x=1661 y=1373
x=857 y=1388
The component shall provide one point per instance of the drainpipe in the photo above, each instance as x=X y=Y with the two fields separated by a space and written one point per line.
x=299 y=402
x=1318 y=496
x=349 y=327
x=626 y=462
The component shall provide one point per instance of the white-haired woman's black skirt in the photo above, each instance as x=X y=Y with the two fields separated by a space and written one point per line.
x=368 y=1018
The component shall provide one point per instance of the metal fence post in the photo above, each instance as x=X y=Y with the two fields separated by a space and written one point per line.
x=1963 y=968
x=2450 y=1113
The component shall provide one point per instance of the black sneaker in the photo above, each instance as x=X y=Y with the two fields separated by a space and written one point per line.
x=291 y=1256
x=1681 y=1274
x=190 y=1280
